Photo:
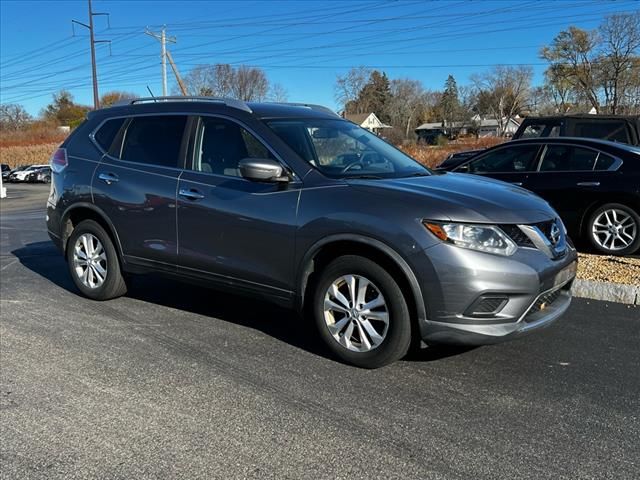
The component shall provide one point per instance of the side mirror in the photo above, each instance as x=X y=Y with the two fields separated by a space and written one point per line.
x=262 y=170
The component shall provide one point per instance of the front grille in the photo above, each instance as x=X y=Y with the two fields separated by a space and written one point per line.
x=517 y=235
x=543 y=302
x=545 y=228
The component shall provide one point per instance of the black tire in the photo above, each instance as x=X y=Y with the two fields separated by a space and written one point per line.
x=397 y=341
x=113 y=285
x=593 y=240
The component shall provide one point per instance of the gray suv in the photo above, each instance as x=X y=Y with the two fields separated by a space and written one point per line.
x=291 y=203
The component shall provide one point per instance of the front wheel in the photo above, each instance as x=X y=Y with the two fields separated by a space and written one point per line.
x=361 y=313
x=93 y=262
x=614 y=229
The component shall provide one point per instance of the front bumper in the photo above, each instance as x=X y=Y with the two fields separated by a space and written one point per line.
x=533 y=291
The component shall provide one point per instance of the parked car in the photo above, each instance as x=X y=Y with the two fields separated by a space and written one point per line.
x=292 y=203
x=20 y=175
x=593 y=184
x=616 y=128
x=39 y=175
x=6 y=170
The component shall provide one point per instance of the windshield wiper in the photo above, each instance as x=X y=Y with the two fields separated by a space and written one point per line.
x=364 y=177
x=418 y=174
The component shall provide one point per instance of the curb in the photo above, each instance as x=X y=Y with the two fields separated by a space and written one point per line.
x=607 y=291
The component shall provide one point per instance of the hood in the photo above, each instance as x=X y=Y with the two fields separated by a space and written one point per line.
x=461 y=197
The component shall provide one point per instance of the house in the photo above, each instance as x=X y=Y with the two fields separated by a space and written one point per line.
x=370 y=121
x=483 y=127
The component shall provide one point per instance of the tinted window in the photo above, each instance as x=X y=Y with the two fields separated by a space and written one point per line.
x=604 y=162
x=221 y=144
x=563 y=158
x=612 y=130
x=504 y=160
x=154 y=140
x=106 y=134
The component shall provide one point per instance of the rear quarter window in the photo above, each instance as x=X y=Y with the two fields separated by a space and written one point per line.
x=614 y=131
x=107 y=133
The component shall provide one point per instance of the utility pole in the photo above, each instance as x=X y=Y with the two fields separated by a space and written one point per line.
x=163 y=39
x=177 y=74
x=93 y=41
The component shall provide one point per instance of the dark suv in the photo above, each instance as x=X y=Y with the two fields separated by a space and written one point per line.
x=291 y=203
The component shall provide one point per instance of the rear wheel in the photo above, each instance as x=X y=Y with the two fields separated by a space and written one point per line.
x=614 y=229
x=93 y=262
x=361 y=313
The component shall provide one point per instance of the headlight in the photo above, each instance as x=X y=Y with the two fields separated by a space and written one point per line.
x=484 y=238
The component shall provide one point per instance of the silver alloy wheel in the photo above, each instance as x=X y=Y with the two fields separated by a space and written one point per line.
x=356 y=313
x=614 y=229
x=90 y=260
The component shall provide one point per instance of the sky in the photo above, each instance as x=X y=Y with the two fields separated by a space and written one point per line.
x=301 y=44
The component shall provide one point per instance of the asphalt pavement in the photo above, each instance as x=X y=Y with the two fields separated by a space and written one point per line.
x=177 y=381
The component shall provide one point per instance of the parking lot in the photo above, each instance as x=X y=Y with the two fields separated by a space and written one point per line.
x=176 y=381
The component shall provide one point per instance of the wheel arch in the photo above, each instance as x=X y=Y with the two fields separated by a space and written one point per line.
x=329 y=248
x=87 y=211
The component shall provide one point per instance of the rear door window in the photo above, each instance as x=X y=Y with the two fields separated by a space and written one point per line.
x=566 y=158
x=154 y=140
x=514 y=159
x=614 y=131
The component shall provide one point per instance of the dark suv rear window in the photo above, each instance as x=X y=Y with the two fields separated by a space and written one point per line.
x=107 y=133
x=154 y=140
x=613 y=131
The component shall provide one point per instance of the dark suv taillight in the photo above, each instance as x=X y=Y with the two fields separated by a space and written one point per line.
x=59 y=160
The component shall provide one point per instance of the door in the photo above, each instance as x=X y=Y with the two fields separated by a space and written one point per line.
x=509 y=163
x=230 y=228
x=135 y=185
x=571 y=178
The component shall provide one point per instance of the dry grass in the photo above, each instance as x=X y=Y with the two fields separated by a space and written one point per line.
x=15 y=156
x=431 y=156
x=35 y=135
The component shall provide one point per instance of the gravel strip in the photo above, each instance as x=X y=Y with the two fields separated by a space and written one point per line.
x=602 y=268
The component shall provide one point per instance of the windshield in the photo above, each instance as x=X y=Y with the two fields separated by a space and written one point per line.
x=340 y=149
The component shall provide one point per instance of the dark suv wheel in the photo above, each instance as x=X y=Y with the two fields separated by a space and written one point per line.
x=614 y=229
x=93 y=262
x=361 y=313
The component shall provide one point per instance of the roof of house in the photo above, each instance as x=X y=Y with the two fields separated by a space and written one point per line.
x=358 y=118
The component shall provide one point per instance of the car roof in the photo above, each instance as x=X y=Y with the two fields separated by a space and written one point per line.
x=195 y=105
x=593 y=142
x=582 y=116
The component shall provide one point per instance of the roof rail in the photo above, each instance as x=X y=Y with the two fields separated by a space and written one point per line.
x=229 y=102
x=319 y=108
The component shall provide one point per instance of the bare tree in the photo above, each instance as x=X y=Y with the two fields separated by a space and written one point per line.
x=250 y=84
x=407 y=101
x=503 y=92
x=277 y=93
x=620 y=36
x=349 y=85
x=223 y=80
x=13 y=116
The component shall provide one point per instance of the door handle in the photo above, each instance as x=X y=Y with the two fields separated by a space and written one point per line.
x=588 y=184
x=108 y=178
x=517 y=184
x=190 y=194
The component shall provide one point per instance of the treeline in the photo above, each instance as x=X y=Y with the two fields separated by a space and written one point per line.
x=589 y=71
